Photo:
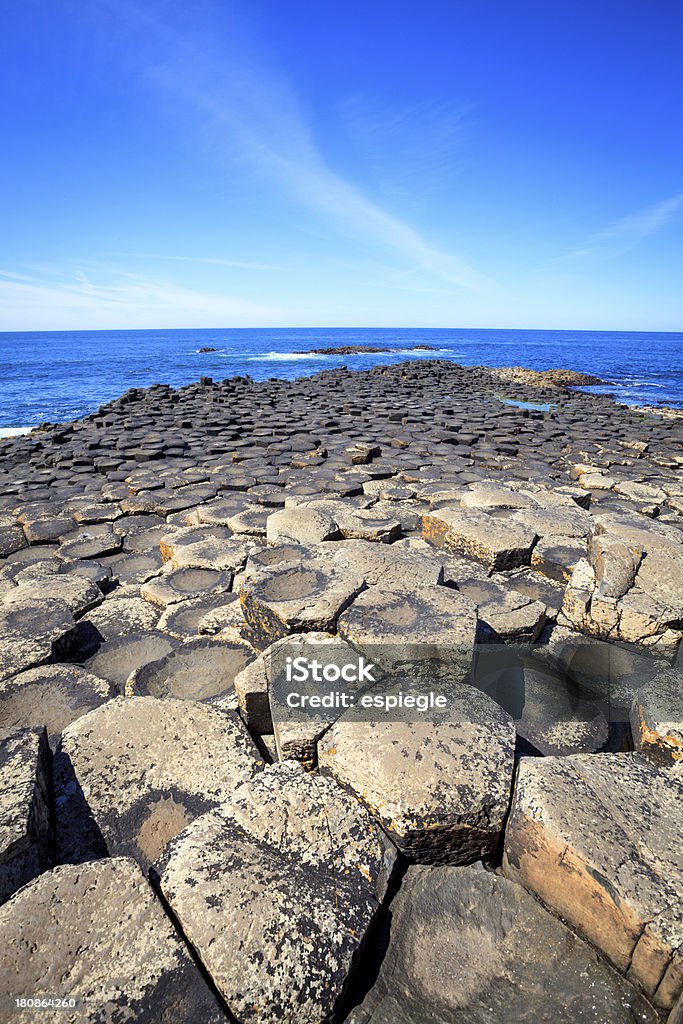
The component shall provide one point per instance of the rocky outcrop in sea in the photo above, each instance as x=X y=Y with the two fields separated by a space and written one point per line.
x=176 y=846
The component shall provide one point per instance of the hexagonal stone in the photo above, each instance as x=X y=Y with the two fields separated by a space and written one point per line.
x=184 y=550
x=89 y=544
x=183 y=620
x=359 y=523
x=390 y=565
x=306 y=526
x=430 y=630
x=25 y=827
x=510 y=616
x=120 y=615
x=52 y=696
x=657 y=717
x=173 y=585
x=80 y=595
x=11 y=539
x=44 y=529
x=597 y=838
x=276 y=891
x=135 y=772
x=296 y=598
x=96 y=933
x=33 y=631
x=550 y=716
x=196 y=670
x=492 y=955
x=500 y=543
x=251 y=521
x=116 y=659
x=440 y=789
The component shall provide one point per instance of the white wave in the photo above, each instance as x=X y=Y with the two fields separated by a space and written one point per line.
x=14 y=431
x=284 y=357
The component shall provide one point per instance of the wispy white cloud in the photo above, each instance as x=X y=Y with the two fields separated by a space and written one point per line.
x=253 y=115
x=627 y=232
x=208 y=260
x=78 y=301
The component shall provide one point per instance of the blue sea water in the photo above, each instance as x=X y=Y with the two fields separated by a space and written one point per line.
x=63 y=375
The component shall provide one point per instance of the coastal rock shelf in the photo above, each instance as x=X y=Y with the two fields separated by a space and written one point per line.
x=175 y=846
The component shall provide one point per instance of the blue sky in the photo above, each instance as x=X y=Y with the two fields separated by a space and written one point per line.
x=488 y=164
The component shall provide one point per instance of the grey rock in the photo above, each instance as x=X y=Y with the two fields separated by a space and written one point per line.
x=95 y=933
x=25 y=825
x=135 y=772
x=467 y=946
x=276 y=891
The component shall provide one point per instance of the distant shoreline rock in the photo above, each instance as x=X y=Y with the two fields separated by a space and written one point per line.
x=352 y=350
x=207 y=348
x=556 y=378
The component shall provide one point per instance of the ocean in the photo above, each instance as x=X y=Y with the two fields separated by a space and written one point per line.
x=52 y=377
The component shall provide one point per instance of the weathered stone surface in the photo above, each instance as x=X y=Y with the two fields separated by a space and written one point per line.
x=25 y=826
x=53 y=696
x=32 y=631
x=90 y=544
x=196 y=670
x=630 y=587
x=295 y=598
x=96 y=933
x=276 y=891
x=431 y=629
x=499 y=543
x=189 y=549
x=440 y=790
x=116 y=659
x=305 y=526
x=597 y=838
x=80 y=595
x=510 y=616
x=140 y=770
x=657 y=717
x=550 y=716
x=175 y=585
x=358 y=523
x=390 y=565
x=467 y=946
x=119 y=616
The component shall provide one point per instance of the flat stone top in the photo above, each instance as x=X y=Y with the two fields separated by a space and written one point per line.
x=466 y=946
x=99 y=935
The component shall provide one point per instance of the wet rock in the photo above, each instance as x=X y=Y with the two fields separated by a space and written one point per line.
x=276 y=891
x=196 y=670
x=295 y=598
x=25 y=825
x=440 y=789
x=498 y=543
x=95 y=933
x=596 y=837
x=52 y=696
x=657 y=717
x=467 y=946
x=135 y=772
